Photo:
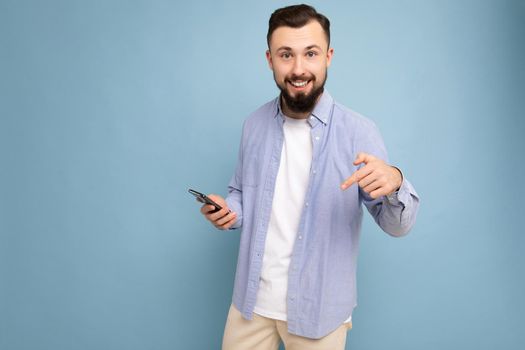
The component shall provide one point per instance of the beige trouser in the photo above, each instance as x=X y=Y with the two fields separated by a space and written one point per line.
x=263 y=333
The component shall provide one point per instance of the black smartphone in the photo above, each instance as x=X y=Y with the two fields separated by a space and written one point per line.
x=201 y=197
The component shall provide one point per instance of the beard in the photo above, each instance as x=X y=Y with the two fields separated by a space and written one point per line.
x=301 y=102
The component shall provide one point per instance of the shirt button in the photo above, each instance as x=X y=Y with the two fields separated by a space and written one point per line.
x=300 y=237
x=315 y=171
x=306 y=203
x=317 y=137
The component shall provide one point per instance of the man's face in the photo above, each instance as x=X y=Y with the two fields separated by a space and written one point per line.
x=299 y=58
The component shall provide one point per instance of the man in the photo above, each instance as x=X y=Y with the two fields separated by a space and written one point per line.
x=306 y=164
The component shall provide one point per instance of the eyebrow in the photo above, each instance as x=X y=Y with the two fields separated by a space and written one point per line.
x=313 y=47
x=287 y=48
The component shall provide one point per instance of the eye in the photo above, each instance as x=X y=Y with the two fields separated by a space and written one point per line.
x=286 y=55
x=311 y=54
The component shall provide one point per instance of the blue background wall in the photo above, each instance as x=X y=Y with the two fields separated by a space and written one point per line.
x=110 y=110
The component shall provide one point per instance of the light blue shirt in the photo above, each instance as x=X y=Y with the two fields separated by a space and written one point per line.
x=322 y=274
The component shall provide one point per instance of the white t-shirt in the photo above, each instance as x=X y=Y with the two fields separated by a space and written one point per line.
x=288 y=201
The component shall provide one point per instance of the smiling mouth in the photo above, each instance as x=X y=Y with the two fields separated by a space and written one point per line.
x=298 y=84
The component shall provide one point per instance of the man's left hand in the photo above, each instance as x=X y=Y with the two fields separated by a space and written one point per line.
x=376 y=177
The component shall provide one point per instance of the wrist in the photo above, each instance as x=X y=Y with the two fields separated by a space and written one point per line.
x=399 y=178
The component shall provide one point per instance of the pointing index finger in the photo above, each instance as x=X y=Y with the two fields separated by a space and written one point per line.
x=357 y=176
x=349 y=181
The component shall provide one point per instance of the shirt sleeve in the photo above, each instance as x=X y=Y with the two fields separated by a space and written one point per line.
x=234 y=198
x=395 y=213
x=234 y=201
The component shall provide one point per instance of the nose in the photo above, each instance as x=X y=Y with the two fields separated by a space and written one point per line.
x=298 y=66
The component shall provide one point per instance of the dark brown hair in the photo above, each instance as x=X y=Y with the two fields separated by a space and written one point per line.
x=296 y=16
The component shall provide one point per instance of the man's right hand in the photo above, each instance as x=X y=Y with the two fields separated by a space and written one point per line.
x=224 y=218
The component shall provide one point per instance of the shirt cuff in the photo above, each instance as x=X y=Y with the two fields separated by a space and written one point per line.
x=393 y=198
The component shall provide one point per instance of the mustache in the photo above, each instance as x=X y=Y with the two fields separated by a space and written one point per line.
x=299 y=77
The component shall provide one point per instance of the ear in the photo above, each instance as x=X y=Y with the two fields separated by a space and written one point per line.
x=269 y=59
x=329 y=55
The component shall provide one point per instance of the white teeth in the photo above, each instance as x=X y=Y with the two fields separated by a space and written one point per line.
x=299 y=83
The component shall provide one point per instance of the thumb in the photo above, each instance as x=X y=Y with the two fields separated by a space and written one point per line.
x=363 y=158
x=217 y=199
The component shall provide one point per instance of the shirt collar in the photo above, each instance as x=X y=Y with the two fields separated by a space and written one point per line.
x=321 y=112
x=323 y=108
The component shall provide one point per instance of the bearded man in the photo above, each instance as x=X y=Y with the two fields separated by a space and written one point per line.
x=306 y=166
